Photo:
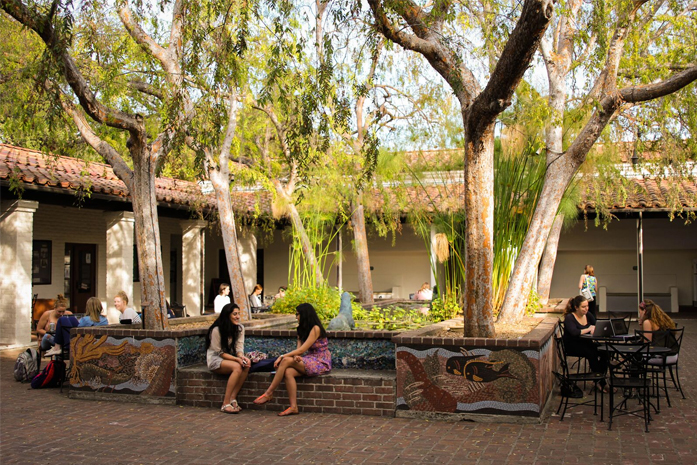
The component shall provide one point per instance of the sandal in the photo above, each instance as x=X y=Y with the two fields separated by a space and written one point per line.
x=235 y=405
x=289 y=411
x=262 y=399
x=224 y=409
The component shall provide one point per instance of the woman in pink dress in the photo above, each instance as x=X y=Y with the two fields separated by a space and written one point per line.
x=312 y=341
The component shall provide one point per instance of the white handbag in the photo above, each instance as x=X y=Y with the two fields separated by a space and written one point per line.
x=585 y=292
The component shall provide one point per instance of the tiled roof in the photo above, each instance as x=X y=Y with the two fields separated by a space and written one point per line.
x=645 y=194
x=55 y=171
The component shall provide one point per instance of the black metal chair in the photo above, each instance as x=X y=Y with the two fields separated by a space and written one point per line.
x=568 y=383
x=628 y=369
x=659 y=364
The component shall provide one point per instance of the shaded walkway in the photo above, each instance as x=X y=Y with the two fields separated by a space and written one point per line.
x=45 y=426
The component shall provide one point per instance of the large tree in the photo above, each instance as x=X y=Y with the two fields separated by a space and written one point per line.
x=422 y=30
x=644 y=25
x=88 y=96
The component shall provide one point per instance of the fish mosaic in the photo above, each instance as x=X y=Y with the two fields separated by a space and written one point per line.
x=474 y=381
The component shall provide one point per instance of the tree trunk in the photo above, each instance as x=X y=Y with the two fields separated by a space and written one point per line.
x=365 y=280
x=479 y=211
x=152 y=277
x=546 y=271
x=308 y=250
x=558 y=176
x=229 y=231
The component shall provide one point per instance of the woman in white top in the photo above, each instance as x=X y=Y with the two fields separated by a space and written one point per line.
x=222 y=299
x=225 y=354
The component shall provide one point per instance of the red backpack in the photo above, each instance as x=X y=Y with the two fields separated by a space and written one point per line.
x=50 y=376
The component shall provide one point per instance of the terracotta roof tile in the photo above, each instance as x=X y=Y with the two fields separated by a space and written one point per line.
x=33 y=167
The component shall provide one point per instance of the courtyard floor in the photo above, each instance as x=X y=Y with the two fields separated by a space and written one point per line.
x=44 y=426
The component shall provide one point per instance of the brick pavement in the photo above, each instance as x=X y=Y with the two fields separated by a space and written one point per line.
x=44 y=426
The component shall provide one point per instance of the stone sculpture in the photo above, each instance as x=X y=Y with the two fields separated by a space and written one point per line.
x=344 y=320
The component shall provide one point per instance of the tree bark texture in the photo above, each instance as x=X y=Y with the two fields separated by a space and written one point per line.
x=365 y=281
x=479 y=233
x=549 y=257
x=229 y=231
x=558 y=176
x=152 y=277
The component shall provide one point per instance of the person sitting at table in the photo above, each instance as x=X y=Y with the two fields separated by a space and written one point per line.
x=93 y=314
x=578 y=321
x=424 y=293
x=653 y=318
x=127 y=313
x=255 y=300
x=46 y=327
x=93 y=317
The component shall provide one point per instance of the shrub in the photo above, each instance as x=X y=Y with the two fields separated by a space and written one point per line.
x=442 y=310
x=325 y=299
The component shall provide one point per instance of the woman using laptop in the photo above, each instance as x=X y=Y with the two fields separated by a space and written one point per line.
x=578 y=321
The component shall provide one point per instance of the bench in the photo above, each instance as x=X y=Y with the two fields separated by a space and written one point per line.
x=343 y=391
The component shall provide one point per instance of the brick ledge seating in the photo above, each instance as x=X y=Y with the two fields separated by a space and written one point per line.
x=348 y=391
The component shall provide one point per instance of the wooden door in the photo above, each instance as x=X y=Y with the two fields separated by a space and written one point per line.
x=83 y=274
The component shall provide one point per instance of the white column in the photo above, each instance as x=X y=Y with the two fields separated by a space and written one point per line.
x=120 y=229
x=193 y=242
x=16 y=235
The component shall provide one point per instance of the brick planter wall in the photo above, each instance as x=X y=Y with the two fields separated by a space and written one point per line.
x=349 y=392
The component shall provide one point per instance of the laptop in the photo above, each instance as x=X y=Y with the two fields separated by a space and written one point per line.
x=620 y=329
x=603 y=328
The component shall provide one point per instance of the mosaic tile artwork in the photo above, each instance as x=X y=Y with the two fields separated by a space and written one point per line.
x=373 y=354
x=191 y=350
x=123 y=365
x=456 y=380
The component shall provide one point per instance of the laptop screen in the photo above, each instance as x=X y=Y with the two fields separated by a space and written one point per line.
x=603 y=328
x=619 y=326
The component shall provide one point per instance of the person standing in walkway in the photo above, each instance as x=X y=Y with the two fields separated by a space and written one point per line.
x=225 y=354
x=589 y=281
x=317 y=360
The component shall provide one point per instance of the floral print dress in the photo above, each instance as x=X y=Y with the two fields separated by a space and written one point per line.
x=318 y=359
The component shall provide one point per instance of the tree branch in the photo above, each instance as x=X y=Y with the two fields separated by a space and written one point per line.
x=642 y=93
x=514 y=61
x=57 y=47
x=110 y=154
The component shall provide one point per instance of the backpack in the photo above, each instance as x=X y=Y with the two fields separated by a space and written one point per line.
x=50 y=376
x=27 y=365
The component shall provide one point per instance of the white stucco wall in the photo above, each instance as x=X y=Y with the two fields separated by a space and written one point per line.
x=669 y=249
x=404 y=264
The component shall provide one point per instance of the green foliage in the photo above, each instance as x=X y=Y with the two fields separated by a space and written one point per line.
x=325 y=299
x=534 y=304
x=392 y=318
x=444 y=308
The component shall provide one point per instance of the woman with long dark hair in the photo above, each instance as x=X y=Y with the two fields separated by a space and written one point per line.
x=577 y=321
x=225 y=354
x=312 y=341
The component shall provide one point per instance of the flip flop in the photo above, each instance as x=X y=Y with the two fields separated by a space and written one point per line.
x=224 y=409
x=262 y=399
x=288 y=411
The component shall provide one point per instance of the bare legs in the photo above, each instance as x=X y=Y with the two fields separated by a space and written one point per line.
x=288 y=369
x=238 y=375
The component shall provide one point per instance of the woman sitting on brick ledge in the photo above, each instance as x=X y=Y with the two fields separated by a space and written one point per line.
x=312 y=338
x=225 y=354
